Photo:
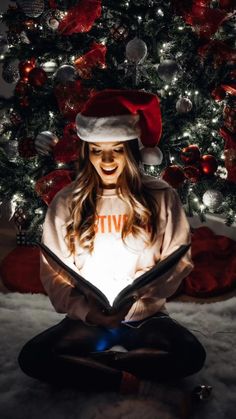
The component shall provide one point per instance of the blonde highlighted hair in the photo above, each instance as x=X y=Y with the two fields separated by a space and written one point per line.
x=142 y=207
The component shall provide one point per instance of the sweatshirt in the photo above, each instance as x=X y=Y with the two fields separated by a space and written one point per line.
x=113 y=264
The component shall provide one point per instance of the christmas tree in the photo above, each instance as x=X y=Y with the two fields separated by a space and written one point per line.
x=58 y=53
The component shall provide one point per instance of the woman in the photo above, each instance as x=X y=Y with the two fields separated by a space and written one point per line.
x=111 y=224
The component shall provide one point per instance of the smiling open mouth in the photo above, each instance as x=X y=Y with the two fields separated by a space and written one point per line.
x=109 y=172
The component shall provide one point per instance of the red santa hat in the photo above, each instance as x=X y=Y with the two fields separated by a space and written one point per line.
x=122 y=115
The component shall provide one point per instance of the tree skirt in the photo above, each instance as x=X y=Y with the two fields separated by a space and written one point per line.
x=21 y=397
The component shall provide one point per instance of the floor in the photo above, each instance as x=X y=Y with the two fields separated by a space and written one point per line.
x=8 y=233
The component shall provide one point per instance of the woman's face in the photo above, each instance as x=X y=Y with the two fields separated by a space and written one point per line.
x=108 y=160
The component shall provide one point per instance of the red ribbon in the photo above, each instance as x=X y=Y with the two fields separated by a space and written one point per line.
x=81 y=17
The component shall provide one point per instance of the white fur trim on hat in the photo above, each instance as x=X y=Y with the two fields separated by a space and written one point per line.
x=109 y=128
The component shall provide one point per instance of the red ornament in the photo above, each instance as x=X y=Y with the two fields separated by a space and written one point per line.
x=49 y=185
x=26 y=148
x=94 y=58
x=219 y=51
x=81 y=17
x=230 y=153
x=37 y=77
x=174 y=175
x=192 y=173
x=208 y=164
x=67 y=149
x=190 y=154
x=227 y=5
x=25 y=67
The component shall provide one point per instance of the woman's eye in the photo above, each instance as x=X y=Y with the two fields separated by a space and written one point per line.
x=96 y=151
x=118 y=150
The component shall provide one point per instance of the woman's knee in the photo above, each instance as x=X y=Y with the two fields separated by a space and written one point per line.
x=194 y=355
x=29 y=359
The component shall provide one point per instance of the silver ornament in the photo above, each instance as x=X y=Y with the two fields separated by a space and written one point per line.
x=10 y=71
x=32 y=8
x=136 y=50
x=44 y=142
x=184 y=105
x=4 y=46
x=151 y=156
x=212 y=199
x=167 y=70
x=51 y=19
x=49 y=67
x=65 y=73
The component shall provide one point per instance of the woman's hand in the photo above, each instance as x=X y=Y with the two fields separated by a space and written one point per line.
x=97 y=317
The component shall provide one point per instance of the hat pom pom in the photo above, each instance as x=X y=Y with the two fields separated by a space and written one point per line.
x=151 y=156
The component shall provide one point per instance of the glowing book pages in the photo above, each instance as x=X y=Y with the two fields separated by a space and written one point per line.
x=130 y=293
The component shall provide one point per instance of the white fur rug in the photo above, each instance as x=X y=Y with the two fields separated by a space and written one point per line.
x=24 y=315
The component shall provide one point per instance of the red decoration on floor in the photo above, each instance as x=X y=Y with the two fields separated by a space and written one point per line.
x=20 y=270
x=214 y=265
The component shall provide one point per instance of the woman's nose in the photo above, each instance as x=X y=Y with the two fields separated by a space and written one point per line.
x=107 y=157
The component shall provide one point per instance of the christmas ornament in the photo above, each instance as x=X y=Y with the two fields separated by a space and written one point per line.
x=119 y=31
x=212 y=199
x=45 y=141
x=51 y=19
x=136 y=50
x=81 y=17
x=208 y=164
x=3 y=45
x=167 y=70
x=94 y=58
x=192 y=173
x=174 y=175
x=10 y=71
x=151 y=155
x=49 y=67
x=66 y=73
x=19 y=218
x=26 y=148
x=25 y=67
x=190 y=154
x=32 y=8
x=37 y=77
x=184 y=105
x=49 y=185
x=24 y=38
x=204 y=19
x=67 y=149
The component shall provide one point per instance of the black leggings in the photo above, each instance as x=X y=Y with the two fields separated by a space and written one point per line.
x=75 y=354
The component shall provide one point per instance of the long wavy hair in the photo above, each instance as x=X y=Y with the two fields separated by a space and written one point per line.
x=142 y=207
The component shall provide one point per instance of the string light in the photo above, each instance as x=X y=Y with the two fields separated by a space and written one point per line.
x=166 y=87
x=160 y=12
x=180 y=28
x=196 y=92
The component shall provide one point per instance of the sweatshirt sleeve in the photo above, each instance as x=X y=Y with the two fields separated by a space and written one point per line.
x=63 y=295
x=176 y=233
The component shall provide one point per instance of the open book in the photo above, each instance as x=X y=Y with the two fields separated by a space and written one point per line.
x=129 y=293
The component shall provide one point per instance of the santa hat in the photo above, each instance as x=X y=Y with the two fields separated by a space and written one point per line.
x=122 y=115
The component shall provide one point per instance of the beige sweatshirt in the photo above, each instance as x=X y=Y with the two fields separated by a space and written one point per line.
x=114 y=264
